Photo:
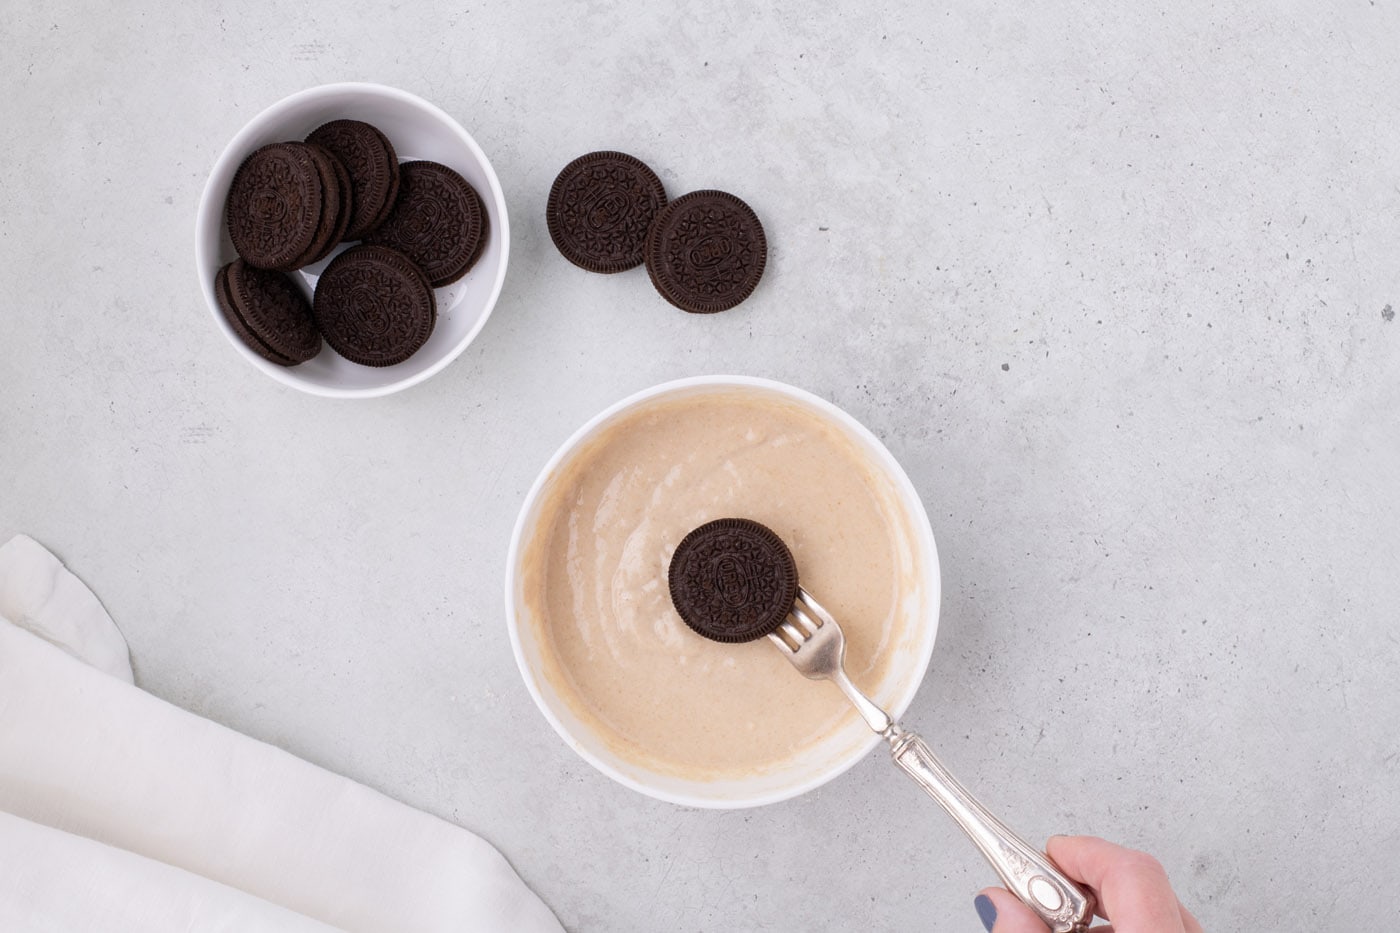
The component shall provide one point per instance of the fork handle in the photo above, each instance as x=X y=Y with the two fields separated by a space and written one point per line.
x=1026 y=872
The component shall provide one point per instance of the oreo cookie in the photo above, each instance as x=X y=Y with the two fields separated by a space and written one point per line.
x=334 y=204
x=347 y=199
x=274 y=206
x=374 y=306
x=268 y=313
x=706 y=252
x=732 y=580
x=373 y=167
x=600 y=208
x=438 y=221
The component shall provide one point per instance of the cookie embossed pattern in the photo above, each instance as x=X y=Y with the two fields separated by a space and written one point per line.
x=706 y=252
x=421 y=224
x=282 y=185
x=419 y=131
x=268 y=312
x=372 y=164
x=374 y=307
x=732 y=580
x=600 y=208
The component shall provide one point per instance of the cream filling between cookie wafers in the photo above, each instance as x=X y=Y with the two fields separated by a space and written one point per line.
x=595 y=572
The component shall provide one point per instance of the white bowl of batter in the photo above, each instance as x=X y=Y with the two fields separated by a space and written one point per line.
x=608 y=661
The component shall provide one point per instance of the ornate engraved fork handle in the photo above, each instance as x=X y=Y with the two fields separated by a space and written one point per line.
x=1026 y=872
x=812 y=640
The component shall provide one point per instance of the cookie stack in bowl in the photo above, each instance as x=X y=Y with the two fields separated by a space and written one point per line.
x=419 y=226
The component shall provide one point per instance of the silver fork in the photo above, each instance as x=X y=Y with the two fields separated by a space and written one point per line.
x=815 y=645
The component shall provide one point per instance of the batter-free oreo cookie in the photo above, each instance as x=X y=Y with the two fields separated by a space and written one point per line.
x=268 y=313
x=374 y=306
x=347 y=198
x=706 y=252
x=438 y=221
x=600 y=208
x=274 y=206
x=373 y=167
x=334 y=204
x=732 y=580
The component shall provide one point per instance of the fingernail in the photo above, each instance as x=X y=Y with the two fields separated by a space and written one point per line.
x=986 y=911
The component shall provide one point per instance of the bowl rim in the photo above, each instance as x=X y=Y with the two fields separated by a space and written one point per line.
x=923 y=542
x=210 y=211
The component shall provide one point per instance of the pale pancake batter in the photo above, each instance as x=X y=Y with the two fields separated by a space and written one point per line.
x=595 y=579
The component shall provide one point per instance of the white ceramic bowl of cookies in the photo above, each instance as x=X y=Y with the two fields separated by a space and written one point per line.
x=544 y=667
x=417 y=130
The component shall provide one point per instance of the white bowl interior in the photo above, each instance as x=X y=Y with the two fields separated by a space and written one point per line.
x=821 y=762
x=417 y=130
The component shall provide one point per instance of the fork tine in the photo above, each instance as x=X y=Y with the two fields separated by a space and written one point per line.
x=816 y=608
x=800 y=614
x=819 y=654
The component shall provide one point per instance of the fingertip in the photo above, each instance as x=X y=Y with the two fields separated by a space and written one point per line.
x=1073 y=851
x=1060 y=847
x=1007 y=914
x=1066 y=839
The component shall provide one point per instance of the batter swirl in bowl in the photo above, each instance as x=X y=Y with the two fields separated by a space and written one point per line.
x=594 y=572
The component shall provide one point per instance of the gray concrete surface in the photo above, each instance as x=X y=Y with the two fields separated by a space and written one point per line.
x=1116 y=283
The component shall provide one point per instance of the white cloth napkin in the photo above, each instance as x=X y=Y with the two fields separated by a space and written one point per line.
x=55 y=882
x=38 y=594
x=90 y=764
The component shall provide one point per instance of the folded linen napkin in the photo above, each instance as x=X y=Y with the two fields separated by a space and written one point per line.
x=55 y=882
x=89 y=754
x=38 y=594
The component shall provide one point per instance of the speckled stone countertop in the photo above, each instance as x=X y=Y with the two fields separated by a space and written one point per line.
x=1116 y=284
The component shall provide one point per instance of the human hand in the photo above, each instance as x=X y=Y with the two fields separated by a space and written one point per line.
x=1131 y=889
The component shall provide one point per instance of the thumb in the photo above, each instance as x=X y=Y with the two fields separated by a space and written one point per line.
x=1002 y=912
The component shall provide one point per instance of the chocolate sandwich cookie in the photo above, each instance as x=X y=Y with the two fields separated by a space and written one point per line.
x=438 y=221
x=706 y=252
x=600 y=208
x=334 y=204
x=268 y=313
x=732 y=580
x=235 y=322
x=374 y=306
x=373 y=167
x=274 y=206
x=347 y=199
